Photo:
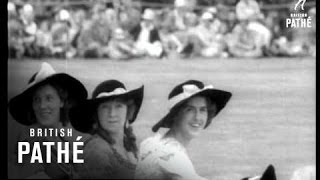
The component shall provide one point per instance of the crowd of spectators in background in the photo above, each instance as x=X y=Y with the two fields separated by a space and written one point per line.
x=122 y=31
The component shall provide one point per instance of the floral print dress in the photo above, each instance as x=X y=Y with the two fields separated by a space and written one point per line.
x=164 y=158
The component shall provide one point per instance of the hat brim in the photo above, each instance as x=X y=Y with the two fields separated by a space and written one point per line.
x=220 y=98
x=81 y=115
x=20 y=106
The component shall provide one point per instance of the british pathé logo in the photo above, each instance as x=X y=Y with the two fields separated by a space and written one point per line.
x=299 y=19
x=301 y=3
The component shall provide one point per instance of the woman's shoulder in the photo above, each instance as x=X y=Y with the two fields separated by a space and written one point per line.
x=96 y=143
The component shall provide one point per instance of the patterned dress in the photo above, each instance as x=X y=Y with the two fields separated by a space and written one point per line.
x=164 y=158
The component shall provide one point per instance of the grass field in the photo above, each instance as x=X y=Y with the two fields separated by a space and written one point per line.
x=269 y=120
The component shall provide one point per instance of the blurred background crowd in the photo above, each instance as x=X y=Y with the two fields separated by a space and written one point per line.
x=127 y=29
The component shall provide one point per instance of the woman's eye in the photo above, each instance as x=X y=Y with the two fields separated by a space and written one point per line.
x=49 y=98
x=188 y=109
x=119 y=105
x=36 y=99
x=103 y=106
x=203 y=109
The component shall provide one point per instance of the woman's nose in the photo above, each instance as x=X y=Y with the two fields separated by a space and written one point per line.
x=112 y=111
x=198 y=116
x=43 y=104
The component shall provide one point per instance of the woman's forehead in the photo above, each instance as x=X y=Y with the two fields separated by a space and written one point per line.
x=114 y=100
x=197 y=101
x=45 y=89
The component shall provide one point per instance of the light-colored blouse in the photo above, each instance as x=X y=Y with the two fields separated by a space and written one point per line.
x=164 y=158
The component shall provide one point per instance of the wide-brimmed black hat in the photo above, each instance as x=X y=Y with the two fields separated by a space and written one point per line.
x=183 y=92
x=20 y=106
x=81 y=116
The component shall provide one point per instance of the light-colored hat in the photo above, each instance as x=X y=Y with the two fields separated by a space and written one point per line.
x=64 y=15
x=206 y=16
x=180 y=3
x=119 y=33
x=184 y=91
x=81 y=116
x=148 y=14
x=20 y=106
x=11 y=7
x=212 y=10
x=27 y=8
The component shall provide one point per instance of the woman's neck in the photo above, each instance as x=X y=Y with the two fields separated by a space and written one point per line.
x=118 y=138
x=182 y=139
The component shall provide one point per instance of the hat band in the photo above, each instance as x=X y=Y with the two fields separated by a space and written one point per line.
x=188 y=90
x=116 y=91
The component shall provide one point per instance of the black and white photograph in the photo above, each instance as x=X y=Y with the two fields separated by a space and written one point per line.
x=161 y=89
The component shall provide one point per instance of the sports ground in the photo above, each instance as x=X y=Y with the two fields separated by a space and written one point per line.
x=269 y=120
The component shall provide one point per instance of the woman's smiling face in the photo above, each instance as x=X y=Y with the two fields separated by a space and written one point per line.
x=46 y=105
x=192 y=117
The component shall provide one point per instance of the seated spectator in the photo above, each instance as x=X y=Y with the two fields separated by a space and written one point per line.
x=77 y=19
x=30 y=29
x=301 y=42
x=15 y=33
x=216 y=22
x=60 y=35
x=263 y=33
x=121 y=46
x=146 y=36
x=283 y=47
x=12 y=11
x=175 y=19
x=111 y=17
x=95 y=35
x=43 y=40
x=129 y=16
x=272 y=22
x=241 y=42
x=246 y=9
x=306 y=37
x=184 y=43
x=214 y=44
x=249 y=38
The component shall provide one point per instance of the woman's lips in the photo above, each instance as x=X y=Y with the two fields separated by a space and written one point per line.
x=196 y=125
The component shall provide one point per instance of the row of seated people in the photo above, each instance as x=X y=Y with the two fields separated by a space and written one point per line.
x=120 y=31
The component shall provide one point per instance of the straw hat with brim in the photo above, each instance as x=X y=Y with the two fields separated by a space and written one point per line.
x=81 y=116
x=207 y=16
x=20 y=106
x=148 y=14
x=183 y=92
x=119 y=33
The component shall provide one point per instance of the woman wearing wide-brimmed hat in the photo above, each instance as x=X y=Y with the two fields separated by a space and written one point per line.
x=192 y=108
x=44 y=104
x=112 y=151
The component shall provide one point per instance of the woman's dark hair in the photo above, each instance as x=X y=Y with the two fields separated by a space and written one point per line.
x=129 y=140
x=64 y=111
